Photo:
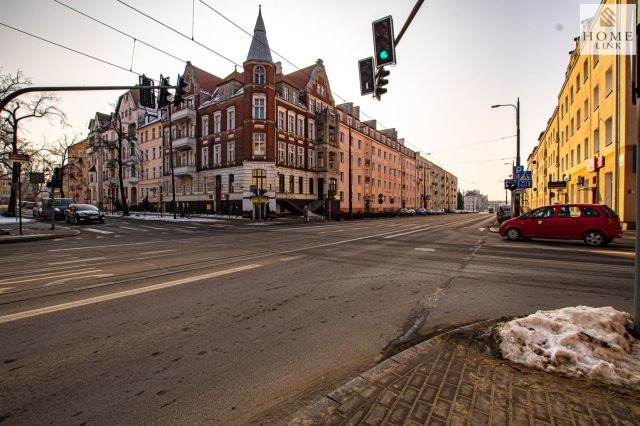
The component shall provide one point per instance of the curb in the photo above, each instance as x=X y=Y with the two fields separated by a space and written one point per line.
x=320 y=411
x=36 y=237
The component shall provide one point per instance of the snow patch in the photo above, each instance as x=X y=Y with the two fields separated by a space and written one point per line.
x=13 y=220
x=578 y=341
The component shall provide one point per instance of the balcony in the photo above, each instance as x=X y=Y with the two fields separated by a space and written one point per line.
x=133 y=179
x=184 y=142
x=182 y=113
x=184 y=170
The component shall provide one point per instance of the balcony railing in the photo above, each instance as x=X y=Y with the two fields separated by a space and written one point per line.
x=184 y=142
x=184 y=170
x=185 y=112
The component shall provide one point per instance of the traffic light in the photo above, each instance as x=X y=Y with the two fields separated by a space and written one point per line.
x=163 y=95
x=384 y=42
x=367 y=77
x=380 y=199
x=181 y=90
x=147 y=97
x=381 y=81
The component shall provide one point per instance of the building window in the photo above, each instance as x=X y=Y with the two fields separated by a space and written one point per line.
x=291 y=184
x=585 y=70
x=205 y=125
x=153 y=152
x=281 y=151
x=259 y=144
x=217 y=122
x=312 y=159
x=291 y=123
x=586 y=109
x=258 y=75
x=231 y=151
x=572 y=158
x=280 y=183
x=300 y=185
x=281 y=119
x=301 y=126
x=341 y=176
x=578 y=154
x=608 y=132
x=310 y=104
x=577 y=83
x=312 y=130
x=231 y=118
x=300 y=156
x=608 y=82
x=292 y=154
x=578 y=119
x=285 y=93
x=342 y=158
x=311 y=186
x=232 y=179
x=259 y=107
x=596 y=98
x=572 y=127
x=596 y=141
x=586 y=148
x=205 y=157
x=216 y=155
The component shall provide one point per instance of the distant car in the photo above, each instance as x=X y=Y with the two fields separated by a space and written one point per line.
x=440 y=211
x=403 y=212
x=59 y=208
x=503 y=213
x=431 y=211
x=421 y=211
x=411 y=212
x=596 y=224
x=83 y=213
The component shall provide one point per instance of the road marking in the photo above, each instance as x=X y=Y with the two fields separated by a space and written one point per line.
x=157 y=251
x=286 y=259
x=99 y=231
x=157 y=228
x=106 y=245
x=482 y=229
x=75 y=261
x=121 y=294
x=3 y=289
x=64 y=280
x=134 y=229
x=424 y=249
x=49 y=275
x=57 y=239
x=576 y=250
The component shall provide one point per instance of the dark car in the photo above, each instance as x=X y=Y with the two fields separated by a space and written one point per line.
x=421 y=211
x=84 y=213
x=59 y=208
x=503 y=213
x=596 y=224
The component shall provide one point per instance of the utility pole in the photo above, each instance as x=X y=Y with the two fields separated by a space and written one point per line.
x=173 y=177
x=350 y=177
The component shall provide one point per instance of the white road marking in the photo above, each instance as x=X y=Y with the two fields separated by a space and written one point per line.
x=121 y=294
x=482 y=229
x=99 y=231
x=157 y=251
x=576 y=250
x=49 y=275
x=75 y=261
x=64 y=280
x=287 y=259
x=117 y=236
x=157 y=228
x=57 y=239
x=106 y=245
x=3 y=289
x=424 y=249
x=134 y=229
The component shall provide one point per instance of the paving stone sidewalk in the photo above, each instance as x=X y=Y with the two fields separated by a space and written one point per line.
x=456 y=379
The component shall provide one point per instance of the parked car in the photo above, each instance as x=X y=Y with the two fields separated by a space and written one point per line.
x=83 y=213
x=596 y=224
x=421 y=211
x=440 y=211
x=59 y=208
x=431 y=211
x=37 y=210
x=503 y=213
x=403 y=212
x=411 y=212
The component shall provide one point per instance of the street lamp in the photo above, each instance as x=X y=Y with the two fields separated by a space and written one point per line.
x=516 y=207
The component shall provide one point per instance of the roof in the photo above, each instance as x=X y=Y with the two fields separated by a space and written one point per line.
x=300 y=78
x=259 y=50
x=207 y=81
x=235 y=75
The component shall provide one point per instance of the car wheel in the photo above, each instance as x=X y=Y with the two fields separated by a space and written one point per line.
x=66 y=219
x=595 y=238
x=513 y=234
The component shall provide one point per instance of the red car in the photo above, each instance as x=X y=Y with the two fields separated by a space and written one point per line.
x=596 y=224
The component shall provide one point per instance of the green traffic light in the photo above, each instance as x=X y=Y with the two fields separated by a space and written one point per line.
x=384 y=54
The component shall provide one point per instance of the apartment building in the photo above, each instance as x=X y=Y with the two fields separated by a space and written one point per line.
x=150 y=162
x=586 y=154
x=76 y=172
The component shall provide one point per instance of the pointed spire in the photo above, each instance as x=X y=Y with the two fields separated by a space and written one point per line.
x=259 y=50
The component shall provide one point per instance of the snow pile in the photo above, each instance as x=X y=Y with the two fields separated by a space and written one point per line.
x=13 y=220
x=577 y=341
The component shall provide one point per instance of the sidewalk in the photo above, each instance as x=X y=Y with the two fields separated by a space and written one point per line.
x=32 y=231
x=457 y=379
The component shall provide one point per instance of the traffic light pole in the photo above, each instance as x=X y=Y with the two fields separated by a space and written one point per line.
x=350 y=177
x=413 y=13
x=173 y=177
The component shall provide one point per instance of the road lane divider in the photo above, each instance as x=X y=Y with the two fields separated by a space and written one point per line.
x=133 y=229
x=49 y=275
x=97 y=231
x=67 y=279
x=425 y=249
x=121 y=294
x=65 y=262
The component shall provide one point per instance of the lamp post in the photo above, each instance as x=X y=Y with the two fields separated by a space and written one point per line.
x=516 y=206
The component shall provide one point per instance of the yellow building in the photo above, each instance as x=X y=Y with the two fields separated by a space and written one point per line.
x=150 y=162
x=589 y=143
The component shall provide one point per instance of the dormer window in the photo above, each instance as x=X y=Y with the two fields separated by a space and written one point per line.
x=258 y=75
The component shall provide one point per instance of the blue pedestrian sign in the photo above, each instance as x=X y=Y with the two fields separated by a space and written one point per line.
x=525 y=180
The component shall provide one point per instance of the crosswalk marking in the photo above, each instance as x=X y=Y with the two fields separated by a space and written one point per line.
x=134 y=229
x=99 y=231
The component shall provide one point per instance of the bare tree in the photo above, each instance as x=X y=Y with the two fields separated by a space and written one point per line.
x=125 y=140
x=59 y=157
x=25 y=107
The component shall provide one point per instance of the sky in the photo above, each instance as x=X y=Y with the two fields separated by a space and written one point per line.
x=456 y=60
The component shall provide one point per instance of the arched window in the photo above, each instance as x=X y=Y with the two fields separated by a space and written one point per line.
x=258 y=75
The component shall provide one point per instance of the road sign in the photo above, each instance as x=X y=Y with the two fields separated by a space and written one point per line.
x=523 y=184
x=527 y=176
x=18 y=158
x=510 y=184
x=517 y=171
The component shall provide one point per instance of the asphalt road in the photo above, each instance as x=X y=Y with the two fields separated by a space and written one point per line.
x=222 y=322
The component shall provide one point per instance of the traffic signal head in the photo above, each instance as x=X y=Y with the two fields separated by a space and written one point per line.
x=384 y=42
x=163 y=95
x=181 y=90
x=147 y=97
x=367 y=77
x=380 y=198
x=381 y=81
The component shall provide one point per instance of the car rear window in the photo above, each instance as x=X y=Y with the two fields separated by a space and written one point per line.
x=609 y=211
x=590 y=212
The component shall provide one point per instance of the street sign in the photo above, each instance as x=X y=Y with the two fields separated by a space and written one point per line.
x=517 y=171
x=525 y=180
x=557 y=184
x=258 y=199
x=18 y=158
x=510 y=184
x=523 y=184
